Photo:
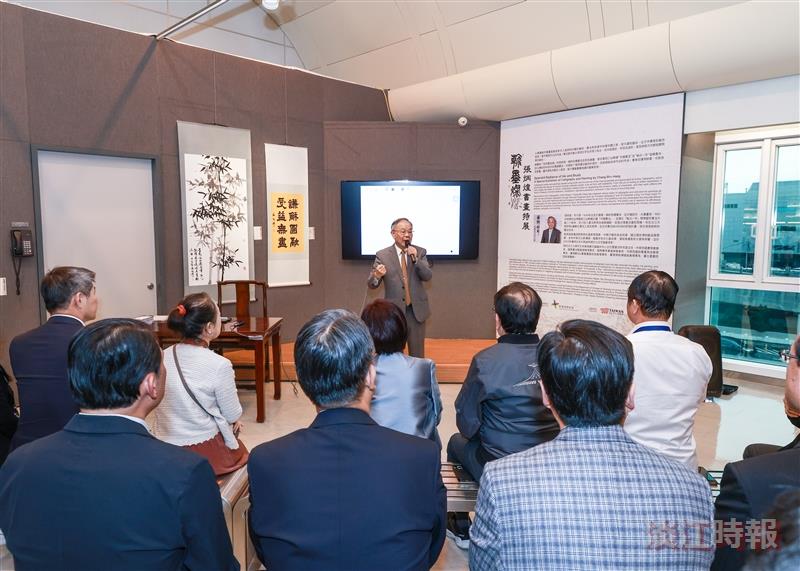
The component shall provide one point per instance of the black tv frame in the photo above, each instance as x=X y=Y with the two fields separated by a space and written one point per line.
x=469 y=217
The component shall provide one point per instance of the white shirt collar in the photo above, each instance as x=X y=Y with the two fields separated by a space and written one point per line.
x=68 y=315
x=132 y=418
x=399 y=250
x=646 y=323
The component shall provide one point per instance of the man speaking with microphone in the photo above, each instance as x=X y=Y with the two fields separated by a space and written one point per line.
x=403 y=267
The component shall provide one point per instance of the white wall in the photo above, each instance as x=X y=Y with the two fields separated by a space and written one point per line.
x=755 y=104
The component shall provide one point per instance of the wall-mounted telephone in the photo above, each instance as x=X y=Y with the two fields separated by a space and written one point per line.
x=21 y=247
x=21 y=243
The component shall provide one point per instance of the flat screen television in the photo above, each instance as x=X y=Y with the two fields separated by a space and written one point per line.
x=445 y=215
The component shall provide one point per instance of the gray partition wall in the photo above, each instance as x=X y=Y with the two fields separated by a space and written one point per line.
x=461 y=290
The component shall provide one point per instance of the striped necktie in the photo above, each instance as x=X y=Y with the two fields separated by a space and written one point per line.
x=404 y=268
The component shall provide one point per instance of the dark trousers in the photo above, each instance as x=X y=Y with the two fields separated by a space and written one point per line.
x=469 y=453
x=416 y=334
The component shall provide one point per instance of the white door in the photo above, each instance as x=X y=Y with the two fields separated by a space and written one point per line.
x=97 y=212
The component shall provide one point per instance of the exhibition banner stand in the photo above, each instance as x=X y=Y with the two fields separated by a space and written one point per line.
x=588 y=201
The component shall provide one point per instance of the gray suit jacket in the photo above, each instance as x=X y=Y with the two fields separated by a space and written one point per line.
x=393 y=280
x=407 y=397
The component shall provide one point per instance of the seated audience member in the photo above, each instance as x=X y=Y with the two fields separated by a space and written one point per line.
x=671 y=372
x=792 y=411
x=344 y=493
x=592 y=498
x=499 y=409
x=201 y=408
x=785 y=554
x=749 y=487
x=8 y=417
x=407 y=396
x=102 y=493
x=39 y=357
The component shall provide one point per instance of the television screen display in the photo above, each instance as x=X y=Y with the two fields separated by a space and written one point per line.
x=445 y=215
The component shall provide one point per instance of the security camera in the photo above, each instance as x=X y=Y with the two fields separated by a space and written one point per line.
x=462 y=121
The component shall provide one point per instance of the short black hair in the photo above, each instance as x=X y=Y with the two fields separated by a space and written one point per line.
x=192 y=314
x=60 y=284
x=518 y=306
x=332 y=355
x=587 y=371
x=108 y=360
x=387 y=326
x=655 y=291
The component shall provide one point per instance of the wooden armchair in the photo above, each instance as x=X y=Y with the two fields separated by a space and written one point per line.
x=243 y=360
x=243 y=296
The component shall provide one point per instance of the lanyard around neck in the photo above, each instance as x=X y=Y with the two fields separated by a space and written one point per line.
x=653 y=328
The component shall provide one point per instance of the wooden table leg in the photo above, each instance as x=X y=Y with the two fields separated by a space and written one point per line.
x=260 y=363
x=276 y=364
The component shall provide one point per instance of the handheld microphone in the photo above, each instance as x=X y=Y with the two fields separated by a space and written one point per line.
x=411 y=257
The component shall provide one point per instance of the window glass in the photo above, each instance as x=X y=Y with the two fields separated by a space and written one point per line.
x=739 y=210
x=755 y=325
x=785 y=242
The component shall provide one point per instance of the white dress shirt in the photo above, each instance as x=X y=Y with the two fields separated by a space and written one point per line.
x=670 y=376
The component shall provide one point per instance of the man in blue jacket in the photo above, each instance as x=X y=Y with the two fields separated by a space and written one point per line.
x=39 y=357
x=103 y=493
x=345 y=494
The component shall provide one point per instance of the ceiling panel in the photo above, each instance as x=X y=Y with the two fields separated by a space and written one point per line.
x=303 y=40
x=641 y=15
x=454 y=11
x=517 y=31
x=115 y=15
x=419 y=15
x=368 y=26
x=666 y=10
x=432 y=56
x=594 y=11
x=617 y=17
x=155 y=5
x=393 y=66
x=289 y=10
x=182 y=8
x=292 y=59
x=245 y=18
x=235 y=44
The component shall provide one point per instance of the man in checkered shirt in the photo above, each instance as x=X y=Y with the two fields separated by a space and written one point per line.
x=592 y=498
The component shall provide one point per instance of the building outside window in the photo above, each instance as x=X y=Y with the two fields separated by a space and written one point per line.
x=754 y=262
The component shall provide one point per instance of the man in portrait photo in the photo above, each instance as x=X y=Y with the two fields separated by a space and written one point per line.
x=552 y=235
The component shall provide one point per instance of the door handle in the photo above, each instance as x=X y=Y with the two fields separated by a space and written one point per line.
x=151 y=285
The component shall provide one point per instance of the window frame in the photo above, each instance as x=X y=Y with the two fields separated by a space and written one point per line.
x=769 y=140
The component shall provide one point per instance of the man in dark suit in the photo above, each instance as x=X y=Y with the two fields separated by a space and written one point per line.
x=39 y=357
x=344 y=494
x=402 y=268
x=749 y=487
x=748 y=490
x=552 y=235
x=103 y=493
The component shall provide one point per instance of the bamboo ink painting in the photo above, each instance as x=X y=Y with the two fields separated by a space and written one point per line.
x=216 y=219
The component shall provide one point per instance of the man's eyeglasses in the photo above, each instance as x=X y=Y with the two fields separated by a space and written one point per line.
x=786 y=354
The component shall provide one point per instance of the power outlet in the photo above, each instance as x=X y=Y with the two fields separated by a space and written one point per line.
x=3 y=289
x=310 y=232
x=257 y=233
